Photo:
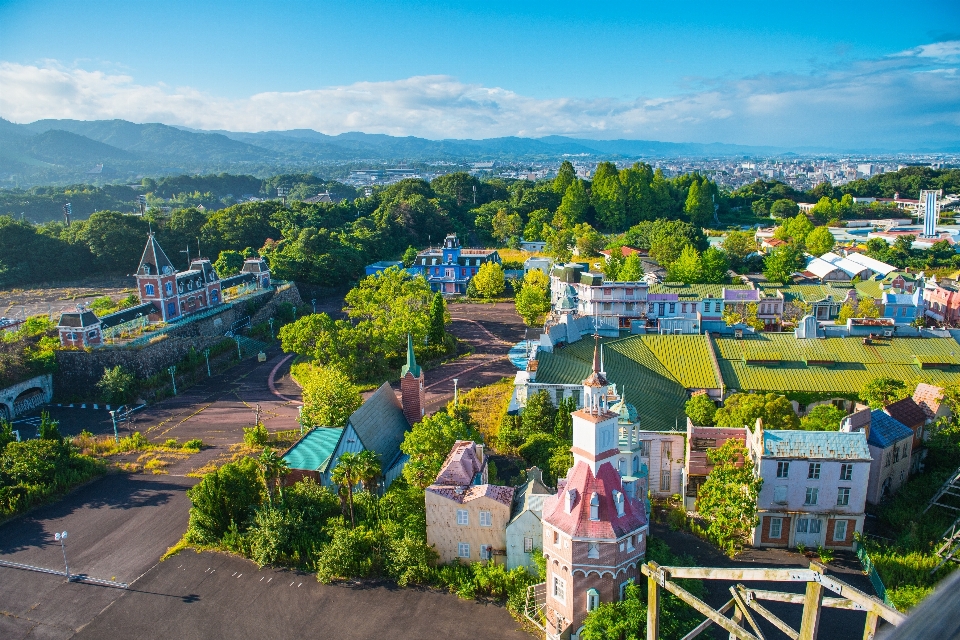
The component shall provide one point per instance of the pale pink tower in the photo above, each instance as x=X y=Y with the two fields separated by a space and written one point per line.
x=595 y=527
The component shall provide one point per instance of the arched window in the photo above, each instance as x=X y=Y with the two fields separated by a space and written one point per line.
x=169 y=288
x=593 y=599
x=148 y=290
x=594 y=507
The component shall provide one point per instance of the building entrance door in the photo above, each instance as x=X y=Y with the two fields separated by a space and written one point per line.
x=808 y=532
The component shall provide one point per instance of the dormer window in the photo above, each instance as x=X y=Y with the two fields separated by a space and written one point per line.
x=146 y=269
x=571 y=500
x=618 y=502
x=594 y=507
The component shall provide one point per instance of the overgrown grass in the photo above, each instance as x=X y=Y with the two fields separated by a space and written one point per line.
x=153 y=457
x=486 y=406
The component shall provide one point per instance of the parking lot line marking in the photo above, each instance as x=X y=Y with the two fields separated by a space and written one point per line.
x=299 y=585
x=238 y=577
x=292 y=583
x=269 y=579
x=261 y=579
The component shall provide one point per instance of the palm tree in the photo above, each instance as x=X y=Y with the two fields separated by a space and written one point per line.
x=272 y=469
x=345 y=476
x=368 y=470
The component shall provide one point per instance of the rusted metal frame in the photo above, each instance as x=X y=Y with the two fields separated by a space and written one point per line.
x=742 y=606
x=706 y=624
x=751 y=600
x=797 y=598
x=869 y=603
x=740 y=575
x=708 y=611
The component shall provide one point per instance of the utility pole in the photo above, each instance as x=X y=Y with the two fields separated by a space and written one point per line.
x=258 y=415
x=206 y=354
x=62 y=537
x=172 y=371
x=454 y=392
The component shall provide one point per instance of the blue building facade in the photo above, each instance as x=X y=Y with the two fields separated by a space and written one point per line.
x=450 y=267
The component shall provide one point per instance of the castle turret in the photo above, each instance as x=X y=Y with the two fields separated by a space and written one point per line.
x=412 y=393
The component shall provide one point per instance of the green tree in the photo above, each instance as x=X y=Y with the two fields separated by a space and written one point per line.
x=881 y=391
x=559 y=242
x=539 y=415
x=532 y=303
x=714 y=266
x=272 y=470
x=573 y=207
x=784 y=208
x=438 y=318
x=820 y=241
x=867 y=308
x=538 y=449
x=368 y=470
x=49 y=428
x=632 y=270
x=506 y=225
x=223 y=500
x=115 y=240
x=536 y=221
x=824 y=417
x=701 y=410
x=409 y=256
x=563 y=421
x=825 y=209
x=738 y=245
x=699 y=205
x=795 y=229
x=329 y=398
x=589 y=240
x=346 y=475
x=743 y=409
x=668 y=238
x=687 y=268
x=229 y=263
x=609 y=197
x=780 y=264
x=728 y=498
x=117 y=385
x=489 y=281
x=6 y=434
x=429 y=442
x=847 y=310
x=566 y=175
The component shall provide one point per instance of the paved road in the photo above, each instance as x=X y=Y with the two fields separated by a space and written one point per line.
x=212 y=595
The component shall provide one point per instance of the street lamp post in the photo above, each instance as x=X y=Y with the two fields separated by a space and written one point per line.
x=454 y=392
x=62 y=537
x=116 y=434
x=314 y=303
x=173 y=378
x=206 y=354
x=270 y=321
x=239 y=355
x=300 y=418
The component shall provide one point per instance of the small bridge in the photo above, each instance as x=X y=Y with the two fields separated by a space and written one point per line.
x=25 y=396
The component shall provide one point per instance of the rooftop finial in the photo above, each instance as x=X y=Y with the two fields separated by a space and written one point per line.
x=597 y=367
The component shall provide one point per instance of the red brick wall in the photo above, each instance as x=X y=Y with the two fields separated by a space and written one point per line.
x=411 y=397
x=296 y=475
x=846 y=542
x=784 y=531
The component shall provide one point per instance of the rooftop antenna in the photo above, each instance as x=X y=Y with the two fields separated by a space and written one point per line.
x=67 y=212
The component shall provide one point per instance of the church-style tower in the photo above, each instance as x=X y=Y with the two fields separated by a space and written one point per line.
x=594 y=529
x=157 y=281
x=412 y=393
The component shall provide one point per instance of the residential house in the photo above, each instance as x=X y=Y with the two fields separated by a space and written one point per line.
x=769 y=244
x=890 y=444
x=622 y=302
x=942 y=300
x=697 y=466
x=533 y=246
x=595 y=527
x=930 y=399
x=466 y=516
x=450 y=268
x=911 y=415
x=814 y=486
x=903 y=308
x=545 y=265
x=655 y=456
x=624 y=252
x=379 y=425
x=80 y=328
x=310 y=456
x=525 y=529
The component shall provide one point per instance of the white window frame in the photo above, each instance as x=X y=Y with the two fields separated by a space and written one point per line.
x=623 y=589
x=839 y=525
x=463 y=549
x=486 y=552
x=665 y=476
x=846 y=471
x=463 y=517
x=843 y=496
x=528 y=545
x=559 y=589
x=783 y=469
x=593 y=599
x=813 y=471
x=486 y=519
x=776 y=523
x=812 y=496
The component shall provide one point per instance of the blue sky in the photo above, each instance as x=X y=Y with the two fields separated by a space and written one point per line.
x=877 y=75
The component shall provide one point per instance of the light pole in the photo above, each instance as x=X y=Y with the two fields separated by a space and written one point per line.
x=270 y=321
x=300 y=418
x=62 y=537
x=454 y=392
x=173 y=370
x=239 y=355
x=314 y=303
x=257 y=423
x=116 y=434
x=206 y=354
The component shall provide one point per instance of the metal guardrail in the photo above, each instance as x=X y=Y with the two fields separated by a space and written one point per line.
x=71 y=577
x=871 y=571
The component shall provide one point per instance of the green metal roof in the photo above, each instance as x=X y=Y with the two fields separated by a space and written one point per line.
x=312 y=452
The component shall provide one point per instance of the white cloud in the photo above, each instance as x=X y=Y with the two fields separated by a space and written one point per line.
x=912 y=98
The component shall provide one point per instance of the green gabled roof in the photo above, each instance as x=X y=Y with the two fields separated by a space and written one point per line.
x=870 y=288
x=686 y=357
x=697 y=290
x=312 y=452
x=658 y=397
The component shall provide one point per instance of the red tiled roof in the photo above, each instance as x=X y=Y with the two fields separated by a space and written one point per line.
x=461 y=465
x=577 y=523
x=625 y=251
x=928 y=397
x=906 y=412
x=461 y=494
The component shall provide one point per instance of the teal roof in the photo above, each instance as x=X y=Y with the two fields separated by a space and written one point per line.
x=826 y=445
x=412 y=367
x=312 y=452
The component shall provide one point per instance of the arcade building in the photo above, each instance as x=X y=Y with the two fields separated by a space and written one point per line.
x=166 y=295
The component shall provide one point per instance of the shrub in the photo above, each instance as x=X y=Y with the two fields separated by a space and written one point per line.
x=350 y=553
x=171 y=443
x=194 y=445
x=256 y=436
x=224 y=498
x=117 y=385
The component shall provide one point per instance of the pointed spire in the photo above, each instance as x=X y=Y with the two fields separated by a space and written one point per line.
x=411 y=367
x=603 y=369
x=597 y=366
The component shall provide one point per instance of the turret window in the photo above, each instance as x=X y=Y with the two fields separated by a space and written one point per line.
x=618 y=502
x=593 y=599
x=594 y=507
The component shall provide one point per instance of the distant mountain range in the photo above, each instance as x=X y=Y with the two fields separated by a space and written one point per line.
x=73 y=150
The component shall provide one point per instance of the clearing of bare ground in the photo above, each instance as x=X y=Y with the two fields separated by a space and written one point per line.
x=62 y=296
